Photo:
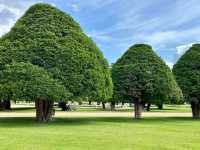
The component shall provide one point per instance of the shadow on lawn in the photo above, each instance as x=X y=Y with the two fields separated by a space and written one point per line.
x=30 y=122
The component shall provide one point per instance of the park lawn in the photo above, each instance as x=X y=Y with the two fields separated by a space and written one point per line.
x=100 y=134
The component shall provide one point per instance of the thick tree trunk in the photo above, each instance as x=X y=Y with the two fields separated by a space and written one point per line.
x=160 y=106
x=112 y=106
x=195 y=110
x=44 y=110
x=138 y=108
x=103 y=105
x=148 y=107
x=62 y=105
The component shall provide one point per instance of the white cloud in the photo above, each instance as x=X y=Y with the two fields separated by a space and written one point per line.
x=10 y=11
x=183 y=48
x=170 y=64
x=75 y=7
x=161 y=37
x=99 y=35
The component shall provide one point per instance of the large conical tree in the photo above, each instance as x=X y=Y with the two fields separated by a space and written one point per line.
x=51 y=39
x=187 y=72
x=140 y=76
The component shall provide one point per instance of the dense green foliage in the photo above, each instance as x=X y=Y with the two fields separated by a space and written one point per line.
x=24 y=81
x=187 y=72
x=51 y=39
x=140 y=73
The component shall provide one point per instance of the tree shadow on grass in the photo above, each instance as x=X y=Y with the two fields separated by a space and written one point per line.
x=18 y=122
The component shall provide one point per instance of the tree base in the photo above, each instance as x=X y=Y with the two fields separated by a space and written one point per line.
x=63 y=106
x=44 y=110
x=160 y=106
x=138 y=109
x=90 y=103
x=103 y=106
x=148 y=107
x=195 y=110
x=112 y=106
x=5 y=105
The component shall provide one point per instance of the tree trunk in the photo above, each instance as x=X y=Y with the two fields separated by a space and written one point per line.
x=90 y=102
x=103 y=105
x=112 y=106
x=138 y=108
x=2 y=106
x=7 y=104
x=195 y=110
x=62 y=105
x=143 y=106
x=160 y=106
x=148 y=107
x=44 y=110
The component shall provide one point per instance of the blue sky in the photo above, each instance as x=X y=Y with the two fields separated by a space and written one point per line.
x=170 y=26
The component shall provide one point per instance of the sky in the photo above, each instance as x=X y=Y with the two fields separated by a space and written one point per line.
x=169 y=26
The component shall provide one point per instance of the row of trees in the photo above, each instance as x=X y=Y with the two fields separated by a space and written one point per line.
x=46 y=57
x=141 y=76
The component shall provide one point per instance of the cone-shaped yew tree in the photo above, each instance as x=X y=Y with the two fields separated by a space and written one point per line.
x=140 y=76
x=51 y=39
x=187 y=73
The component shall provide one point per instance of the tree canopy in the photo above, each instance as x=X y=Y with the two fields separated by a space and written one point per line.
x=140 y=73
x=51 y=39
x=187 y=72
x=28 y=82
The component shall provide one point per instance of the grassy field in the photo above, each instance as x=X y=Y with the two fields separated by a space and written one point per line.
x=100 y=134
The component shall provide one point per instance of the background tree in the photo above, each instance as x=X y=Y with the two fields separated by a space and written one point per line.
x=51 y=39
x=27 y=82
x=140 y=76
x=187 y=72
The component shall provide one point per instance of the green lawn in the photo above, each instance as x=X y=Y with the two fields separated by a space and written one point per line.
x=100 y=134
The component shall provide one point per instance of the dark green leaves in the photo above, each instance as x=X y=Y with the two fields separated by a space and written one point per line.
x=52 y=40
x=187 y=72
x=140 y=73
x=24 y=81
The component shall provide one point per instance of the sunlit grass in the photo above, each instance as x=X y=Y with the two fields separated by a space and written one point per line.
x=100 y=134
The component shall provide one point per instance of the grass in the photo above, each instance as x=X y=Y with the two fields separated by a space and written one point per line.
x=100 y=134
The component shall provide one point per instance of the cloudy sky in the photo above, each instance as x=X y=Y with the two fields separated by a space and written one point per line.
x=170 y=26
